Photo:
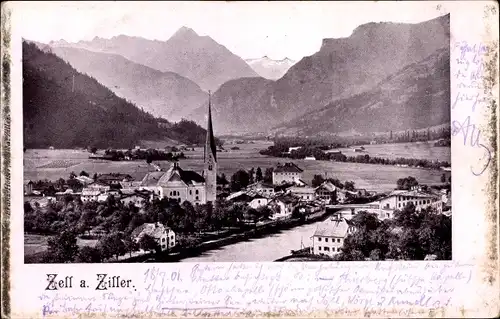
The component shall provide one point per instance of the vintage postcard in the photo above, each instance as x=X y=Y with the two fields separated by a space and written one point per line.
x=236 y=159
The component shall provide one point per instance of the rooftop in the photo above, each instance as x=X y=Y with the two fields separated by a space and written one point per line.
x=288 y=167
x=287 y=199
x=177 y=174
x=333 y=228
x=412 y=193
x=114 y=177
x=327 y=186
x=302 y=189
x=151 y=229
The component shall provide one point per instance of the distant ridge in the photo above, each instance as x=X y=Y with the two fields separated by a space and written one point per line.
x=198 y=58
x=65 y=109
x=340 y=69
x=270 y=69
x=163 y=94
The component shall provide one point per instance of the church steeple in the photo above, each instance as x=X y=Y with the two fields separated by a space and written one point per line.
x=210 y=158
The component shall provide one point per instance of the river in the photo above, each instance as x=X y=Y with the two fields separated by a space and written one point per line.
x=268 y=248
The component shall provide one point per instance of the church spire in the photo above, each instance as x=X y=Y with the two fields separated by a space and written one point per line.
x=210 y=159
x=210 y=146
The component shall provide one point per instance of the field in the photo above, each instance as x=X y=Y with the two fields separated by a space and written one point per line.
x=419 y=150
x=34 y=244
x=53 y=164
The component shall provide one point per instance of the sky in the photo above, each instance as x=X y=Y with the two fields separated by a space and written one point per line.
x=250 y=30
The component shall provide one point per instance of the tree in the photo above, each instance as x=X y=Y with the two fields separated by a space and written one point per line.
x=317 y=180
x=93 y=150
x=72 y=175
x=84 y=173
x=89 y=255
x=443 y=178
x=239 y=180
x=406 y=183
x=63 y=248
x=148 y=243
x=258 y=175
x=130 y=245
x=375 y=254
x=349 y=185
x=111 y=245
x=251 y=175
x=268 y=175
x=222 y=179
x=95 y=176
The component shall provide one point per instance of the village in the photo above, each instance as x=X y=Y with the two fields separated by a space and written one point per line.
x=263 y=200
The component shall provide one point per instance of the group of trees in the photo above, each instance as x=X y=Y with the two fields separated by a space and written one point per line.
x=410 y=235
x=149 y=155
x=281 y=151
x=50 y=188
x=83 y=111
x=113 y=223
x=242 y=178
x=412 y=162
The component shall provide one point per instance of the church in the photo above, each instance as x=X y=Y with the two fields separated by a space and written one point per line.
x=182 y=185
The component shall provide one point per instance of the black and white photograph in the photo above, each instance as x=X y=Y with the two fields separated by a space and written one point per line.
x=236 y=135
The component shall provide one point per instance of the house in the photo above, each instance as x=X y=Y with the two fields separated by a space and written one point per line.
x=327 y=192
x=103 y=197
x=130 y=185
x=283 y=206
x=69 y=191
x=305 y=193
x=162 y=234
x=138 y=199
x=287 y=173
x=40 y=201
x=310 y=158
x=90 y=195
x=400 y=198
x=178 y=184
x=328 y=239
x=343 y=195
x=98 y=186
x=85 y=180
x=262 y=188
x=348 y=211
x=258 y=201
x=113 y=179
x=251 y=198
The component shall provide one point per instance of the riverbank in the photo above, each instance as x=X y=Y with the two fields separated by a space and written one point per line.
x=260 y=231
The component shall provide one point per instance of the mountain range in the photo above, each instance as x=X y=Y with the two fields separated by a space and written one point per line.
x=342 y=68
x=65 y=108
x=198 y=58
x=384 y=76
x=269 y=68
x=163 y=94
x=418 y=96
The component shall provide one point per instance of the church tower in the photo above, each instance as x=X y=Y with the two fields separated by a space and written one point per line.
x=210 y=159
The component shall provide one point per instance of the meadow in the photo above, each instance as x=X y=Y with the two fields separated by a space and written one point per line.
x=53 y=164
x=418 y=150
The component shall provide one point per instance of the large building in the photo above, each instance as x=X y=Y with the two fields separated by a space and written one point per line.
x=176 y=183
x=185 y=185
x=287 y=173
x=400 y=198
x=330 y=235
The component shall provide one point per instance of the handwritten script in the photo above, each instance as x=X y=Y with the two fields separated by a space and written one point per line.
x=242 y=289
x=470 y=94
